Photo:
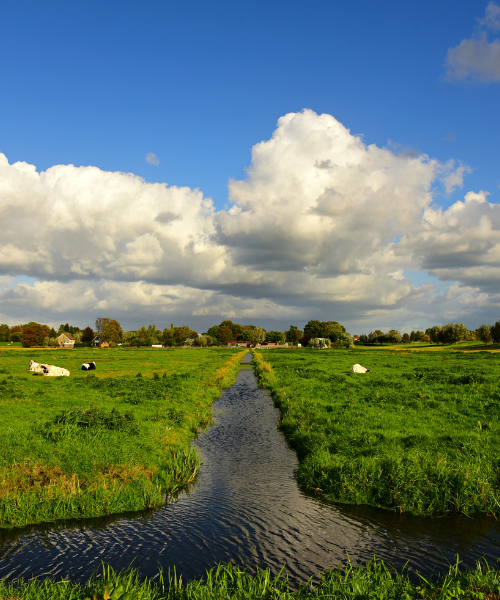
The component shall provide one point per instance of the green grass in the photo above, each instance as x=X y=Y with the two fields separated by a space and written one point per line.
x=420 y=433
x=106 y=441
x=375 y=580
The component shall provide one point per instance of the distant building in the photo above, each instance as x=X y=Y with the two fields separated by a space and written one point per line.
x=66 y=340
x=239 y=344
x=98 y=342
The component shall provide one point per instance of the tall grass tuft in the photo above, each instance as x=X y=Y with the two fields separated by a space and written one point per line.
x=375 y=580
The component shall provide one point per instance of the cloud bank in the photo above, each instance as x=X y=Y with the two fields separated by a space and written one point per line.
x=323 y=226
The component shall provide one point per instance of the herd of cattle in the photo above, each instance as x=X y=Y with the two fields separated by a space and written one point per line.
x=52 y=371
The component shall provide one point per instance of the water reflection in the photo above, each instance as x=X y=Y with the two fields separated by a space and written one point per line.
x=245 y=507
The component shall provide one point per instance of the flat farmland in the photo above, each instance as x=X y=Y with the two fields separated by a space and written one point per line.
x=419 y=433
x=105 y=441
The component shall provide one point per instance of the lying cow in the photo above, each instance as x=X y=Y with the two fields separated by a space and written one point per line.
x=359 y=369
x=88 y=366
x=52 y=371
x=35 y=367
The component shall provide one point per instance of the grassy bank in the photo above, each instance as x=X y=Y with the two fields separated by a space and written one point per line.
x=375 y=580
x=106 y=441
x=419 y=433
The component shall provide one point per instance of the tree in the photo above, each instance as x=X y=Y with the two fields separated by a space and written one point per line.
x=33 y=336
x=293 y=335
x=258 y=335
x=87 y=336
x=181 y=334
x=484 y=333
x=4 y=333
x=314 y=328
x=213 y=331
x=376 y=337
x=363 y=338
x=109 y=329
x=393 y=336
x=225 y=334
x=434 y=333
x=495 y=332
x=275 y=336
x=330 y=327
x=168 y=336
x=406 y=338
x=344 y=341
x=416 y=336
x=304 y=340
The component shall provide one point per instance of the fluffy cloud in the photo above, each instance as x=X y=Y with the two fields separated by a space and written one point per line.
x=323 y=226
x=478 y=57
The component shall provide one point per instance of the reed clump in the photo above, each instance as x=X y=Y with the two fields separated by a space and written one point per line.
x=418 y=434
x=373 y=580
x=107 y=441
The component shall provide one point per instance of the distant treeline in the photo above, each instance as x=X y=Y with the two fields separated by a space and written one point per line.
x=315 y=333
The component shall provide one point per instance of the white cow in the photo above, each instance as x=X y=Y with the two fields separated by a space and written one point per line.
x=52 y=371
x=359 y=369
x=36 y=367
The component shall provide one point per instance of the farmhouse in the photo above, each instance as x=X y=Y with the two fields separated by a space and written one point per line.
x=66 y=340
x=98 y=342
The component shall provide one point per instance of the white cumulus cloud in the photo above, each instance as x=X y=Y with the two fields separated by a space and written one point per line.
x=323 y=226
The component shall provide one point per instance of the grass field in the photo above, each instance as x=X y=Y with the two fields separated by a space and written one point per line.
x=419 y=433
x=105 y=441
x=373 y=581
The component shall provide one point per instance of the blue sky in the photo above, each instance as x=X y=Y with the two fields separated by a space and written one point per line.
x=199 y=84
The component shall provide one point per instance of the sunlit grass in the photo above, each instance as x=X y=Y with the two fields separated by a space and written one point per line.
x=106 y=441
x=376 y=580
x=419 y=433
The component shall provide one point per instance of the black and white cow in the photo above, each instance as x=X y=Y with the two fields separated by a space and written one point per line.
x=88 y=366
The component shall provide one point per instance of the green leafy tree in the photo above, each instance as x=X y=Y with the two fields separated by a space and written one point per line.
x=314 y=328
x=495 y=332
x=168 y=337
x=33 y=336
x=293 y=335
x=330 y=327
x=213 y=331
x=87 y=335
x=109 y=329
x=4 y=333
x=393 y=336
x=434 y=333
x=225 y=334
x=258 y=335
x=181 y=334
x=484 y=334
x=406 y=338
x=276 y=337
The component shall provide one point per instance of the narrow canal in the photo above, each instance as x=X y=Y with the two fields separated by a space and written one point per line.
x=245 y=507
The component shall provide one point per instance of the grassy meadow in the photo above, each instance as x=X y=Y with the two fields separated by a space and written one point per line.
x=105 y=441
x=420 y=433
x=374 y=580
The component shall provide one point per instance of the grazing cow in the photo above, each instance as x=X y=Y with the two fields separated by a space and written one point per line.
x=88 y=366
x=35 y=367
x=359 y=369
x=51 y=371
